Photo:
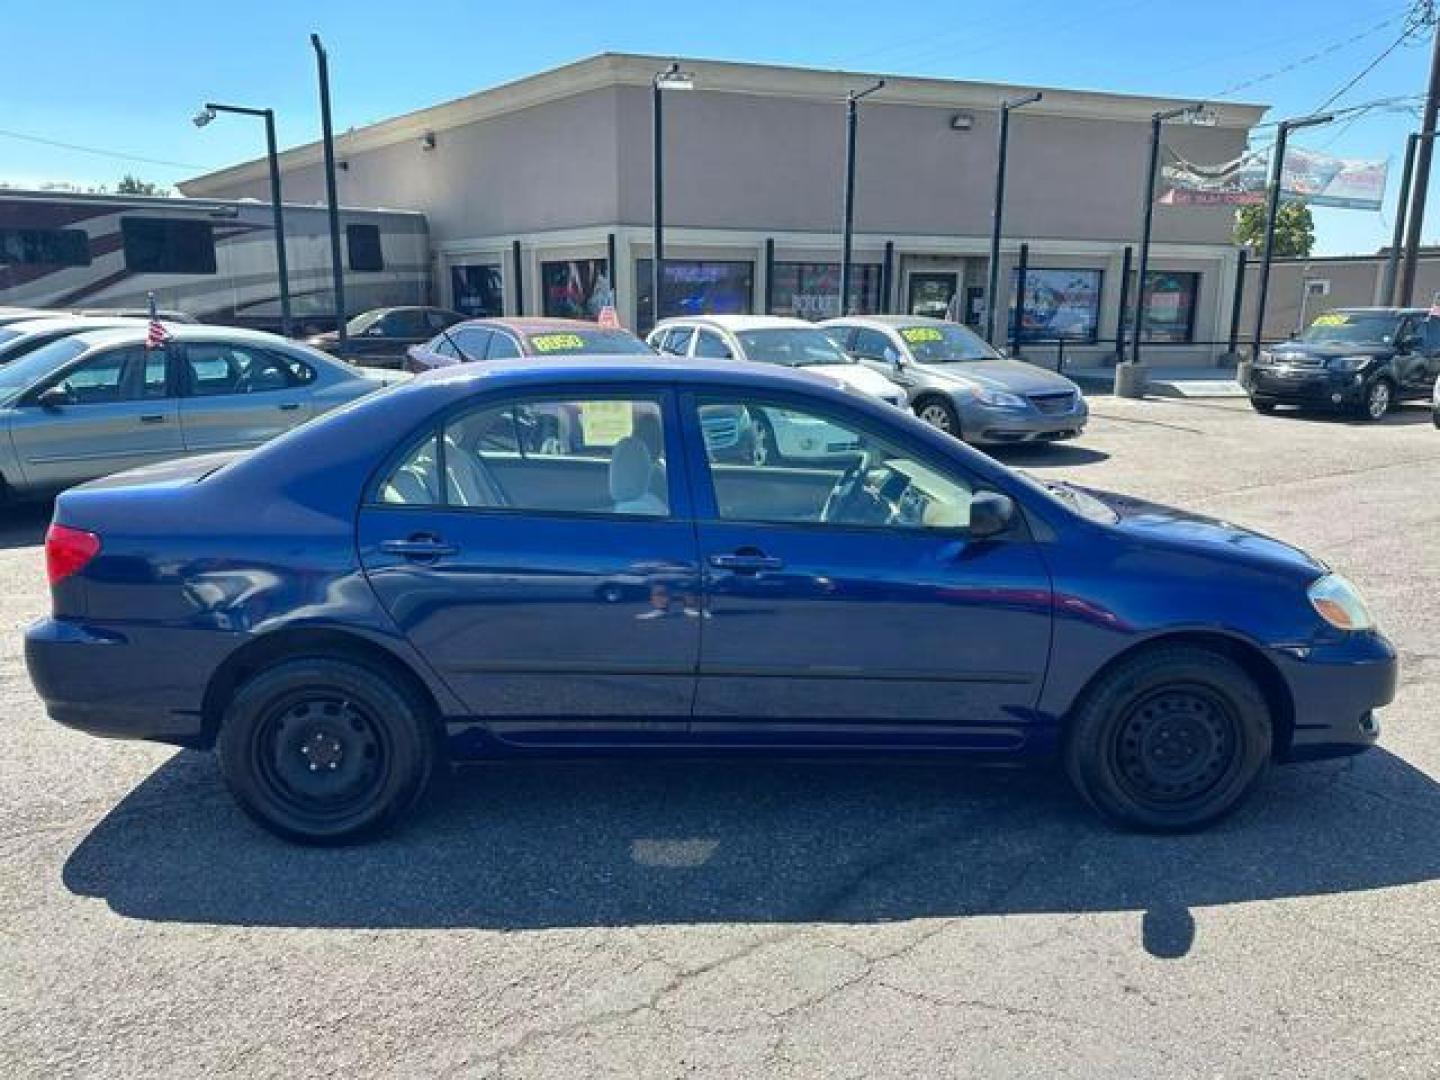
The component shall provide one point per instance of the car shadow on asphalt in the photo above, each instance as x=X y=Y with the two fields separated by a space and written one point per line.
x=24 y=524
x=531 y=845
x=1409 y=414
x=1057 y=454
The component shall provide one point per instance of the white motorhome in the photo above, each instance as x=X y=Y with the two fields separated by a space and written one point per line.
x=211 y=258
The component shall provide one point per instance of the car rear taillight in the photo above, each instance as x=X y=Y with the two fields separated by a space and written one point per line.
x=67 y=551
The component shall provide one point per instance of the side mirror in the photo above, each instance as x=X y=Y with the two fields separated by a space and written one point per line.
x=990 y=513
x=57 y=397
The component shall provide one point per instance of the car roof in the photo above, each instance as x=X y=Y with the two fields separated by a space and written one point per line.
x=621 y=368
x=534 y=324
x=1379 y=311
x=888 y=321
x=42 y=323
x=736 y=323
x=138 y=331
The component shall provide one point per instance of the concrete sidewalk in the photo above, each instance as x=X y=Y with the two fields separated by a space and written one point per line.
x=1173 y=382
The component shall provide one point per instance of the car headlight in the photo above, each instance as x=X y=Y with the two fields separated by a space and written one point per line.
x=1347 y=363
x=999 y=399
x=1340 y=604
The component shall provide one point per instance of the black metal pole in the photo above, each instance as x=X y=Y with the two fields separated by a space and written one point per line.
x=1422 y=176
x=887 y=278
x=1392 y=263
x=1124 y=303
x=1237 y=302
x=657 y=255
x=1017 y=321
x=614 y=274
x=518 y=267
x=769 y=275
x=852 y=116
x=998 y=213
x=328 y=136
x=281 y=263
x=1147 y=222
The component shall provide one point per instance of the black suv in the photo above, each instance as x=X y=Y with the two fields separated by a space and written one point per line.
x=1358 y=360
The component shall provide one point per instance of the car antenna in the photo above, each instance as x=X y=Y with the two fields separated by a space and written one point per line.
x=464 y=356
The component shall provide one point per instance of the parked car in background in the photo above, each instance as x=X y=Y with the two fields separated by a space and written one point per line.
x=1435 y=404
x=100 y=401
x=19 y=338
x=1363 y=361
x=380 y=338
x=421 y=569
x=507 y=339
x=959 y=384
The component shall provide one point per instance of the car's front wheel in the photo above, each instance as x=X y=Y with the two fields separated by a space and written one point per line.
x=1263 y=404
x=1378 y=400
x=324 y=750
x=939 y=413
x=1171 y=739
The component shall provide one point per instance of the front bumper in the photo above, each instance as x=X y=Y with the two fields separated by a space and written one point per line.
x=1308 y=385
x=1336 y=689
x=135 y=683
x=986 y=424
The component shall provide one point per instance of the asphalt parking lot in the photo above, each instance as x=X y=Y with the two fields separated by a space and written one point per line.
x=791 y=919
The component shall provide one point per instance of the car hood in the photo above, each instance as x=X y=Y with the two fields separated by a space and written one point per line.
x=1301 y=350
x=858 y=377
x=1015 y=376
x=1206 y=535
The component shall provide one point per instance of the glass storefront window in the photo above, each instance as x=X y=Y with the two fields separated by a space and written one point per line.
x=476 y=290
x=811 y=290
x=1170 y=297
x=576 y=288
x=1059 y=303
x=692 y=287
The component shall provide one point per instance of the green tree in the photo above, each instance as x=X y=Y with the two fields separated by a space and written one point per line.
x=1294 y=229
x=133 y=185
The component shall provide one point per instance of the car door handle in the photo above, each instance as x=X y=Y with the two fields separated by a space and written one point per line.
x=152 y=418
x=290 y=406
x=747 y=562
x=420 y=548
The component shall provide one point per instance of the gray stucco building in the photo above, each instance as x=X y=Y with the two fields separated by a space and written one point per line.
x=530 y=188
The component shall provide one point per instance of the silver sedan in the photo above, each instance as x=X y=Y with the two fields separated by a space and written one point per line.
x=958 y=383
x=100 y=402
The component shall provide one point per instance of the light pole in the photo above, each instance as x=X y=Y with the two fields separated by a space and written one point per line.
x=1157 y=121
x=203 y=117
x=672 y=78
x=327 y=134
x=852 y=111
x=993 y=284
x=1272 y=206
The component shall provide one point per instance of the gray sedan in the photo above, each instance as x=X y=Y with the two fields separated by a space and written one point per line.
x=958 y=383
x=100 y=402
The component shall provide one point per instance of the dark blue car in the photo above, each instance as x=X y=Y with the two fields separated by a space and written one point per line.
x=423 y=574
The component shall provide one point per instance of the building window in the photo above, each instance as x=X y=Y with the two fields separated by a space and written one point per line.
x=1059 y=303
x=576 y=288
x=477 y=290
x=811 y=290
x=695 y=288
x=44 y=247
x=1169 y=306
x=168 y=245
x=363 y=243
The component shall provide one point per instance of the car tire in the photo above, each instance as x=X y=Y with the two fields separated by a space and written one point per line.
x=1263 y=405
x=1171 y=740
x=1435 y=415
x=939 y=414
x=1379 y=399
x=326 y=751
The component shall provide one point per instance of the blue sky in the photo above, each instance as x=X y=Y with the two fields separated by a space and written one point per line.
x=127 y=77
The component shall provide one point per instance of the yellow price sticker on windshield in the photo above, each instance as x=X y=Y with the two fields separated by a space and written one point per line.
x=1330 y=319
x=548 y=343
x=917 y=334
x=605 y=423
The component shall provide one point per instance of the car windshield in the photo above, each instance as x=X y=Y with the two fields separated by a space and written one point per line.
x=30 y=369
x=798 y=346
x=599 y=341
x=1353 y=328
x=947 y=344
x=360 y=323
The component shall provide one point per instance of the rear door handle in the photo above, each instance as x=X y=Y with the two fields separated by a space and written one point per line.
x=152 y=418
x=290 y=406
x=419 y=548
x=746 y=562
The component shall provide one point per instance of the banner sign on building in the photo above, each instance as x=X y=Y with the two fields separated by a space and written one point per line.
x=1309 y=177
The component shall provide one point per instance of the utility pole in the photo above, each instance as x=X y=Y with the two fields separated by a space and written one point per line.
x=1422 y=174
x=1392 y=262
x=992 y=287
x=327 y=134
x=852 y=101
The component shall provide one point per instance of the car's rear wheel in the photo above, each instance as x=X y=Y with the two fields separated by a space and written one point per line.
x=1172 y=739
x=1378 y=400
x=1263 y=404
x=939 y=413
x=325 y=751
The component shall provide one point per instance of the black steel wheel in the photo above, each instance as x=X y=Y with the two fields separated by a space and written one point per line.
x=1170 y=740
x=324 y=750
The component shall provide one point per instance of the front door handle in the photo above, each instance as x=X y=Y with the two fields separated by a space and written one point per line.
x=419 y=548
x=153 y=418
x=290 y=406
x=746 y=561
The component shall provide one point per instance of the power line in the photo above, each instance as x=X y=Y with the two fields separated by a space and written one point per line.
x=1305 y=61
x=113 y=154
x=1413 y=23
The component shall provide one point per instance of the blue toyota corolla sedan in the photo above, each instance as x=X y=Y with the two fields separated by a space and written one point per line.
x=429 y=573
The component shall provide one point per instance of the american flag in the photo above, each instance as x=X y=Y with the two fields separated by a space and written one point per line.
x=157 y=335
